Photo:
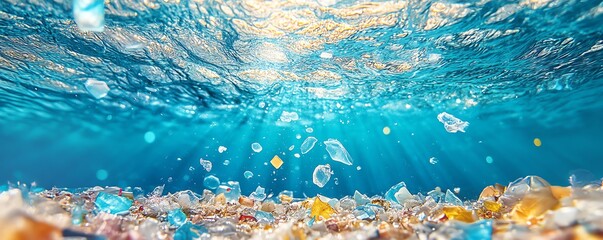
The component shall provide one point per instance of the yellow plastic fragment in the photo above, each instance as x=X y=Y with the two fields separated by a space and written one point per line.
x=458 y=213
x=533 y=205
x=561 y=192
x=492 y=206
x=276 y=162
x=321 y=209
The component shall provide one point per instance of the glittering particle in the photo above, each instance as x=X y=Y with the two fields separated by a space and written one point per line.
x=222 y=149
x=297 y=155
x=386 y=130
x=276 y=162
x=226 y=162
x=457 y=190
x=149 y=137
x=102 y=174
x=489 y=159
x=433 y=160
x=537 y=142
x=359 y=168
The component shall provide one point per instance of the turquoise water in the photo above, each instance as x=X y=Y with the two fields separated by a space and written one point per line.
x=188 y=77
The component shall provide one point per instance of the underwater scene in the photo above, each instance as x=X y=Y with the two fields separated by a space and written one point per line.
x=301 y=119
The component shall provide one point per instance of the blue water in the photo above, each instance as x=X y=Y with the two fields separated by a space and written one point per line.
x=203 y=75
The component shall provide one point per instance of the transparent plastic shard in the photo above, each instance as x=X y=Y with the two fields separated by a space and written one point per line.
x=337 y=152
x=89 y=15
x=451 y=123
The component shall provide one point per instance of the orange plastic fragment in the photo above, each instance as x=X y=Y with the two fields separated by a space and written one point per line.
x=492 y=206
x=321 y=209
x=458 y=213
x=561 y=192
x=533 y=205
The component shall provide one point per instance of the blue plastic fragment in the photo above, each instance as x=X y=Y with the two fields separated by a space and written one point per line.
x=264 y=217
x=189 y=231
x=390 y=195
x=481 y=230
x=176 y=217
x=113 y=204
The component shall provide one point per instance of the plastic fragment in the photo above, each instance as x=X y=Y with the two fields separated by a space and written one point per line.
x=308 y=144
x=276 y=162
x=113 y=204
x=321 y=209
x=189 y=231
x=337 y=152
x=176 y=217
x=259 y=194
x=89 y=15
x=451 y=123
x=256 y=147
x=458 y=213
x=264 y=217
x=321 y=175
x=98 y=89
x=452 y=199
x=231 y=191
x=206 y=164
x=248 y=174
x=390 y=195
x=211 y=182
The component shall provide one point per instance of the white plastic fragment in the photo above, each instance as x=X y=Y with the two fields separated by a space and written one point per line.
x=451 y=123
x=89 y=15
x=206 y=164
x=337 y=152
x=97 y=89
x=222 y=149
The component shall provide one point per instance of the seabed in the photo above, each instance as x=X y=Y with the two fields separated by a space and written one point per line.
x=528 y=208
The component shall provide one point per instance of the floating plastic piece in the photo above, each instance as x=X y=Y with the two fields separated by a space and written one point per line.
x=231 y=190
x=189 y=231
x=321 y=209
x=256 y=147
x=226 y=162
x=222 y=149
x=457 y=190
x=433 y=160
x=264 y=217
x=289 y=116
x=452 y=199
x=206 y=164
x=360 y=198
x=89 y=15
x=276 y=162
x=176 y=217
x=451 y=123
x=337 y=152
x=97 y=89
x=259 y=194
x=113 y=204
x=390 y=195
x=489 y=160
x=308 y=144
x=248 y=174
x=458 y=213
x=211 y=182
x=321 y=175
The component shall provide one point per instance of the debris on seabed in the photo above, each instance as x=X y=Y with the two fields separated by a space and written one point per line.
x=528 y=208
